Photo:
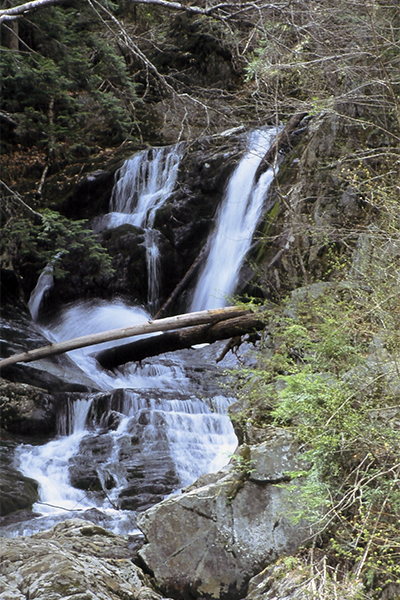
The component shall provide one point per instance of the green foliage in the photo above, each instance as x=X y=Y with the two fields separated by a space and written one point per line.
x=58 y=241
x=67 y=77
x=330 y=372
x=242 y=465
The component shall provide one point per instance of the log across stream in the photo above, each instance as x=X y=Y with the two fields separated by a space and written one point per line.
x=184 y=331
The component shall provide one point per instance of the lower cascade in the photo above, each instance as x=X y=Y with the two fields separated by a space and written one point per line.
x=147 y=435
x=152 y=428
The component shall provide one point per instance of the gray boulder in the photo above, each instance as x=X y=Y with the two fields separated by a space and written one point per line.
x=209 y=541
x=74 y=559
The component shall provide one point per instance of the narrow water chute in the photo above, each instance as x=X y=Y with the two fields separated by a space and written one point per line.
x=236 y=220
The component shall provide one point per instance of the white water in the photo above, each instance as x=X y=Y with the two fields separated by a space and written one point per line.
x=48 y=465
x=143 y=184
x=84 y=318
x=237 y=218
x=44 y=283
x=196 y=433
x=157 y=398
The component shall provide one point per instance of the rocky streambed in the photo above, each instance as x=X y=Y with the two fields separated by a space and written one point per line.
x=207 y=542
x=224 y=536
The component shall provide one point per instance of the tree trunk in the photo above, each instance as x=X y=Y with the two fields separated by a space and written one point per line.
x=209 y=317
x=177 y=340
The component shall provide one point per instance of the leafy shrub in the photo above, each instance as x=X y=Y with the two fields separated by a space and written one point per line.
x=330 y=372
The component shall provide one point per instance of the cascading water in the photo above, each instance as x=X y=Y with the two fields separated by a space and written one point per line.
x=147 y=435
x=143 y=184
x=237 y=218
x=44 y=283
x=48 y=464
x=153 y=429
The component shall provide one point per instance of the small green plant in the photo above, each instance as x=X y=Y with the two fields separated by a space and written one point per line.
x=242 y=465
x=55 y=240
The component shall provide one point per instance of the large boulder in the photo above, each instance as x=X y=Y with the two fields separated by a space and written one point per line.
x=17 y=491
x=209 y=541
x=73 y=559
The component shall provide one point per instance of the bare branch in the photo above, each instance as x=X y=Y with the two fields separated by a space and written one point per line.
x=7 y=14
x=230 y=9
x=37 y=217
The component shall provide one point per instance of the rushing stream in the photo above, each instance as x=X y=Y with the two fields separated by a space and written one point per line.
x=152 y=428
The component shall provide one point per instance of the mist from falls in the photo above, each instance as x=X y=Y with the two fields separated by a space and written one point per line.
x=152 y=429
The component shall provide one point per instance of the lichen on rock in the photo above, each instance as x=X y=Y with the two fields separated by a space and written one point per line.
x=73 y=559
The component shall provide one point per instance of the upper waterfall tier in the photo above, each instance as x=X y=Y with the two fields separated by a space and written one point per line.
x=142 y=185
x=237 y=218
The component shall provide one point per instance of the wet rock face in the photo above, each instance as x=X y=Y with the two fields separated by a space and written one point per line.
x=140 y=468
x=187 y=217
x=73 y=559
x=54 y=374
x=17 y=492
x=26 y=410
x=90 y=196
x=208 y=542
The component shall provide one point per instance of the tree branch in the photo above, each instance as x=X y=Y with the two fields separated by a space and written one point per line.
x=180 y=339
x=37 y=217
x=7 y=14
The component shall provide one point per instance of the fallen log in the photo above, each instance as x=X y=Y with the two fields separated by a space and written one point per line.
x=209 y=317
x=178 y=340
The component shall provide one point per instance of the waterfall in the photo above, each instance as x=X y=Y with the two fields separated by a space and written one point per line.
x=44 y=283
x=151 y=430
x=48 y=464
x=153 y=269
x=159 y=425
x=236 y=220
x=143 y=184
